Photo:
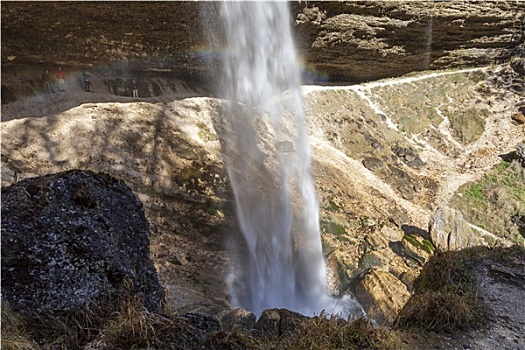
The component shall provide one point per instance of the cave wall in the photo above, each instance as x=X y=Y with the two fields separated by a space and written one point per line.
x=350 y=41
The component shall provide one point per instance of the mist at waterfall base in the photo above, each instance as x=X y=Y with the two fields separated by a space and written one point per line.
x=268 y=160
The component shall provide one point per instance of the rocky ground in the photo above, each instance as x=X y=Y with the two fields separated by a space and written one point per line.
x=379 y=179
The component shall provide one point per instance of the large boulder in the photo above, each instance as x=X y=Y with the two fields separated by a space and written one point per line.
x=73 y=238
x=381 y=295
x=450 y=231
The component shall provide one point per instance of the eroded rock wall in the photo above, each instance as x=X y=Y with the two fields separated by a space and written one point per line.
x=368 y=40
x=344 y=41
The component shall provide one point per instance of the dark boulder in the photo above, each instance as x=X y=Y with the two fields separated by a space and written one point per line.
x=73 y=238
x=275 y=323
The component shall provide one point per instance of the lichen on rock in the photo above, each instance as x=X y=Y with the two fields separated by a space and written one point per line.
x=71 y=239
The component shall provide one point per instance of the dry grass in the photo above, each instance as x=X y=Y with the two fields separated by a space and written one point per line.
x=468 y=124
x=14 y=330
x=414 y=106
x=446 y=292
x=334 y=333
x=321 y=333
x=134 y=327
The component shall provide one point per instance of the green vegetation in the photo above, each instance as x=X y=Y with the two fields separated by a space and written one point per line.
x=415 y=106
x=205 y=134
x=425 y=245
x=333 y=205
x=446 y=291
x=468 y=124
x=333 y=228
x=369 y=260
x=495 y=200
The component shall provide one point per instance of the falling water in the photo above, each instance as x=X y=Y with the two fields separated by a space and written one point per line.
x=268 y=161
x=428 y=46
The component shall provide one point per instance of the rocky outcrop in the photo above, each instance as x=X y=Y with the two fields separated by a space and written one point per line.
x=382 y=296
x=71 y=239
x=449 y=231
x=237 y=318
x=366 y=40
x=346 y=41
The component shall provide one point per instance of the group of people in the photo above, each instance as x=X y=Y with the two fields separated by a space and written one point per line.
x=59 y=81
x=60 y=84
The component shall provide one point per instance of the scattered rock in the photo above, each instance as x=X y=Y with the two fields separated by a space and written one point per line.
x=372 y=163
x=520 y=152
x=519 y=118
x=393 y=234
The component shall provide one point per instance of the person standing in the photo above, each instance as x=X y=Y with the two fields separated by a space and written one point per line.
x=135 y=88
x=87 y=81
x=60 y=76
x=46 y=79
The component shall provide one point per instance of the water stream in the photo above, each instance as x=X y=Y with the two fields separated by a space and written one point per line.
x=268 y=161
x=428 y=45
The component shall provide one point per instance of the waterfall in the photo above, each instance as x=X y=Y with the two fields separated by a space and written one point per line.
x=428 y=45
x=268 y=161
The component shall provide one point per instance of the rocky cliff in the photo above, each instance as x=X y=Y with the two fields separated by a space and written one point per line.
x=338 y=41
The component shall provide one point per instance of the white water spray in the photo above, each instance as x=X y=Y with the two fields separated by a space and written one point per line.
x=268 y=161
x=428 y=46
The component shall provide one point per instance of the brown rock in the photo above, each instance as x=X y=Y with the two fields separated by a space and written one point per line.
x=348 y=40
x=518 y=118
x=449 y=231
x=382 y=296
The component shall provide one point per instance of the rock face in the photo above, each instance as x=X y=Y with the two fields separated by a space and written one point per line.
x=366 y=40
x=346 y=41
x=72 y=238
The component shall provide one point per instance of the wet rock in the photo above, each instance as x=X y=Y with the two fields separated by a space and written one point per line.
x=237 y=318
x=72 y=238
x=381 y=295
x=449 y=231
x=274 y=323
